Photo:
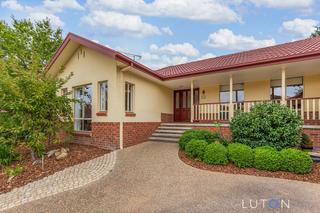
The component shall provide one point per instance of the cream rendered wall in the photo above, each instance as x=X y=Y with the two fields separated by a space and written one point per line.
x=150 y=99
x=311 y=86
x=90 y=67
x=211 y=94
x=257 y=90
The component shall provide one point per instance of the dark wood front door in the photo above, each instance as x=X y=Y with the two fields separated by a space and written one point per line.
x=182 y=104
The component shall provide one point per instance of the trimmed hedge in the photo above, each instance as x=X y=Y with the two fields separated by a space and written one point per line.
x=241 y=155
x=295 y=161
x=267 y=158
x=200 y=134
x=216 y=153
x=268 y=124
x=196 y=148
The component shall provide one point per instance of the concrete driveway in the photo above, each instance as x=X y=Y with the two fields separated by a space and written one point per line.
x=150 y=178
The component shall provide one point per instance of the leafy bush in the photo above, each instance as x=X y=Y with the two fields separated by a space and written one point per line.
x=13 y=172
x=241 y=155
x=296 y=161
x=200 y=134
x=306 y=142
x=267 y=158
x=215 y=153
x=196 y=148
x=267 y=124
x=7 y=154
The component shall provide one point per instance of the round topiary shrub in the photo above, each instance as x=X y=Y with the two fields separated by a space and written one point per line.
x=241 y=155
x=216 y=153
x=196 y=148
x=296 y=161
x=306 y=142
x=267 y=158
x=199 y=134
x=268 y=124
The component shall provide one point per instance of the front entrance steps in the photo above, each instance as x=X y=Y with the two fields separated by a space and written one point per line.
x=169 y=132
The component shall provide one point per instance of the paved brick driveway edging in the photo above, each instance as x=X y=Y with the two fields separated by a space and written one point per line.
x=67 y=179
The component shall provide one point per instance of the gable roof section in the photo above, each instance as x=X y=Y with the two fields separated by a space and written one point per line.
x=283 y=53
x=302 y=49
x=103 y=50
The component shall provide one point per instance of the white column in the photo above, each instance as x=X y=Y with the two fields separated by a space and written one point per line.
x=230 y=97
x=283 y=86
x=191 y=103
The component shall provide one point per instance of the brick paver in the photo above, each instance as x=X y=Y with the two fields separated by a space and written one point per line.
x=67 y=179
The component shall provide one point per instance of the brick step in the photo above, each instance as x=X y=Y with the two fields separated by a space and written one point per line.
x=170 y=131
x=177 y=124
x=174 y=127
x=164 y=139
x=166 y=135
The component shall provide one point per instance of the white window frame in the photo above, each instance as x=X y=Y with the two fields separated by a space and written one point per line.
x=129 y=97
x=103 y=97
x=82 y=118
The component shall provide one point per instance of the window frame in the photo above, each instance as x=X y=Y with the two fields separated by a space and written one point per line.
x=106 y=98
x=272 y=88
x=237 y=88
x=129 y=97
x=83 y=117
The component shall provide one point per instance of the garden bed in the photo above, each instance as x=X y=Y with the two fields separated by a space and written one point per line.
x=313 y=176
x=77 y=154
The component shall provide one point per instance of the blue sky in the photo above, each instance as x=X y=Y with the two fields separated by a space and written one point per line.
x=168 y=32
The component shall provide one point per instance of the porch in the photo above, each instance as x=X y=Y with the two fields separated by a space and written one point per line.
x=215 y=97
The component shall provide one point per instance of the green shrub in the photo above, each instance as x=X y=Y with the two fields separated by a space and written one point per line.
x=196 y=148
x=195 y=134
x=267 y=158
x=296 y=161
x=13 y=172
x=215 y=153
x=7 y=154
x=267 y=124
x=306 y=142
x=241 y=155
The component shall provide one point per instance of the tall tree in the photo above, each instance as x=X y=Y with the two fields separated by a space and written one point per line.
x=316 y=32
x=31 y=44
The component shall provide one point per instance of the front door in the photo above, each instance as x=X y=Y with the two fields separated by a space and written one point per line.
x=182 y=104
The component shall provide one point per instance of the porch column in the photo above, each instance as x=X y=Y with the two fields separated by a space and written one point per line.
x=191 y=103
x=230 y=97
x=283 y=86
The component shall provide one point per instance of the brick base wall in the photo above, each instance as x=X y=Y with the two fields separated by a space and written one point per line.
x=104 y=135
x=314 y=136
x=166 y=118
x=137 y=132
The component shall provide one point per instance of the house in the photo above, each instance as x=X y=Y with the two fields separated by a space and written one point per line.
x=124 y=102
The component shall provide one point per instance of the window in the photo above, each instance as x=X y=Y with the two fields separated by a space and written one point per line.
x=83 y=108
x=129 y=96
x=103 y=96
x=64 y=91
x=237 y=93
x=294 y=88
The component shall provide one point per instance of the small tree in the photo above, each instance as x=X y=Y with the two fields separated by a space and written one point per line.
x=316 y=32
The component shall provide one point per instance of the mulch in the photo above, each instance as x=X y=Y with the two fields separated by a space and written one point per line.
x=77 y=154
x=312 y=177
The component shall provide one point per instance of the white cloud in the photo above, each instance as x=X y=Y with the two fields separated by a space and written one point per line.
x=227 y=40
x=48 y=9
x=214 y=11
x=60 y=5
x=299 y=4
x=186 y=49
x=120 y=23
x=300 y=27
x=12 y=4
x=206 y=56
x=167 y=30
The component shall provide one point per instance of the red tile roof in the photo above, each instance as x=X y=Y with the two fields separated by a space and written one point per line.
x=298 y=50
x=268 y=55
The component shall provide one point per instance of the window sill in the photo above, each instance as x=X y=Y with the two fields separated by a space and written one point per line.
x=83 y=133
x=105 y=113
x=130 y=114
